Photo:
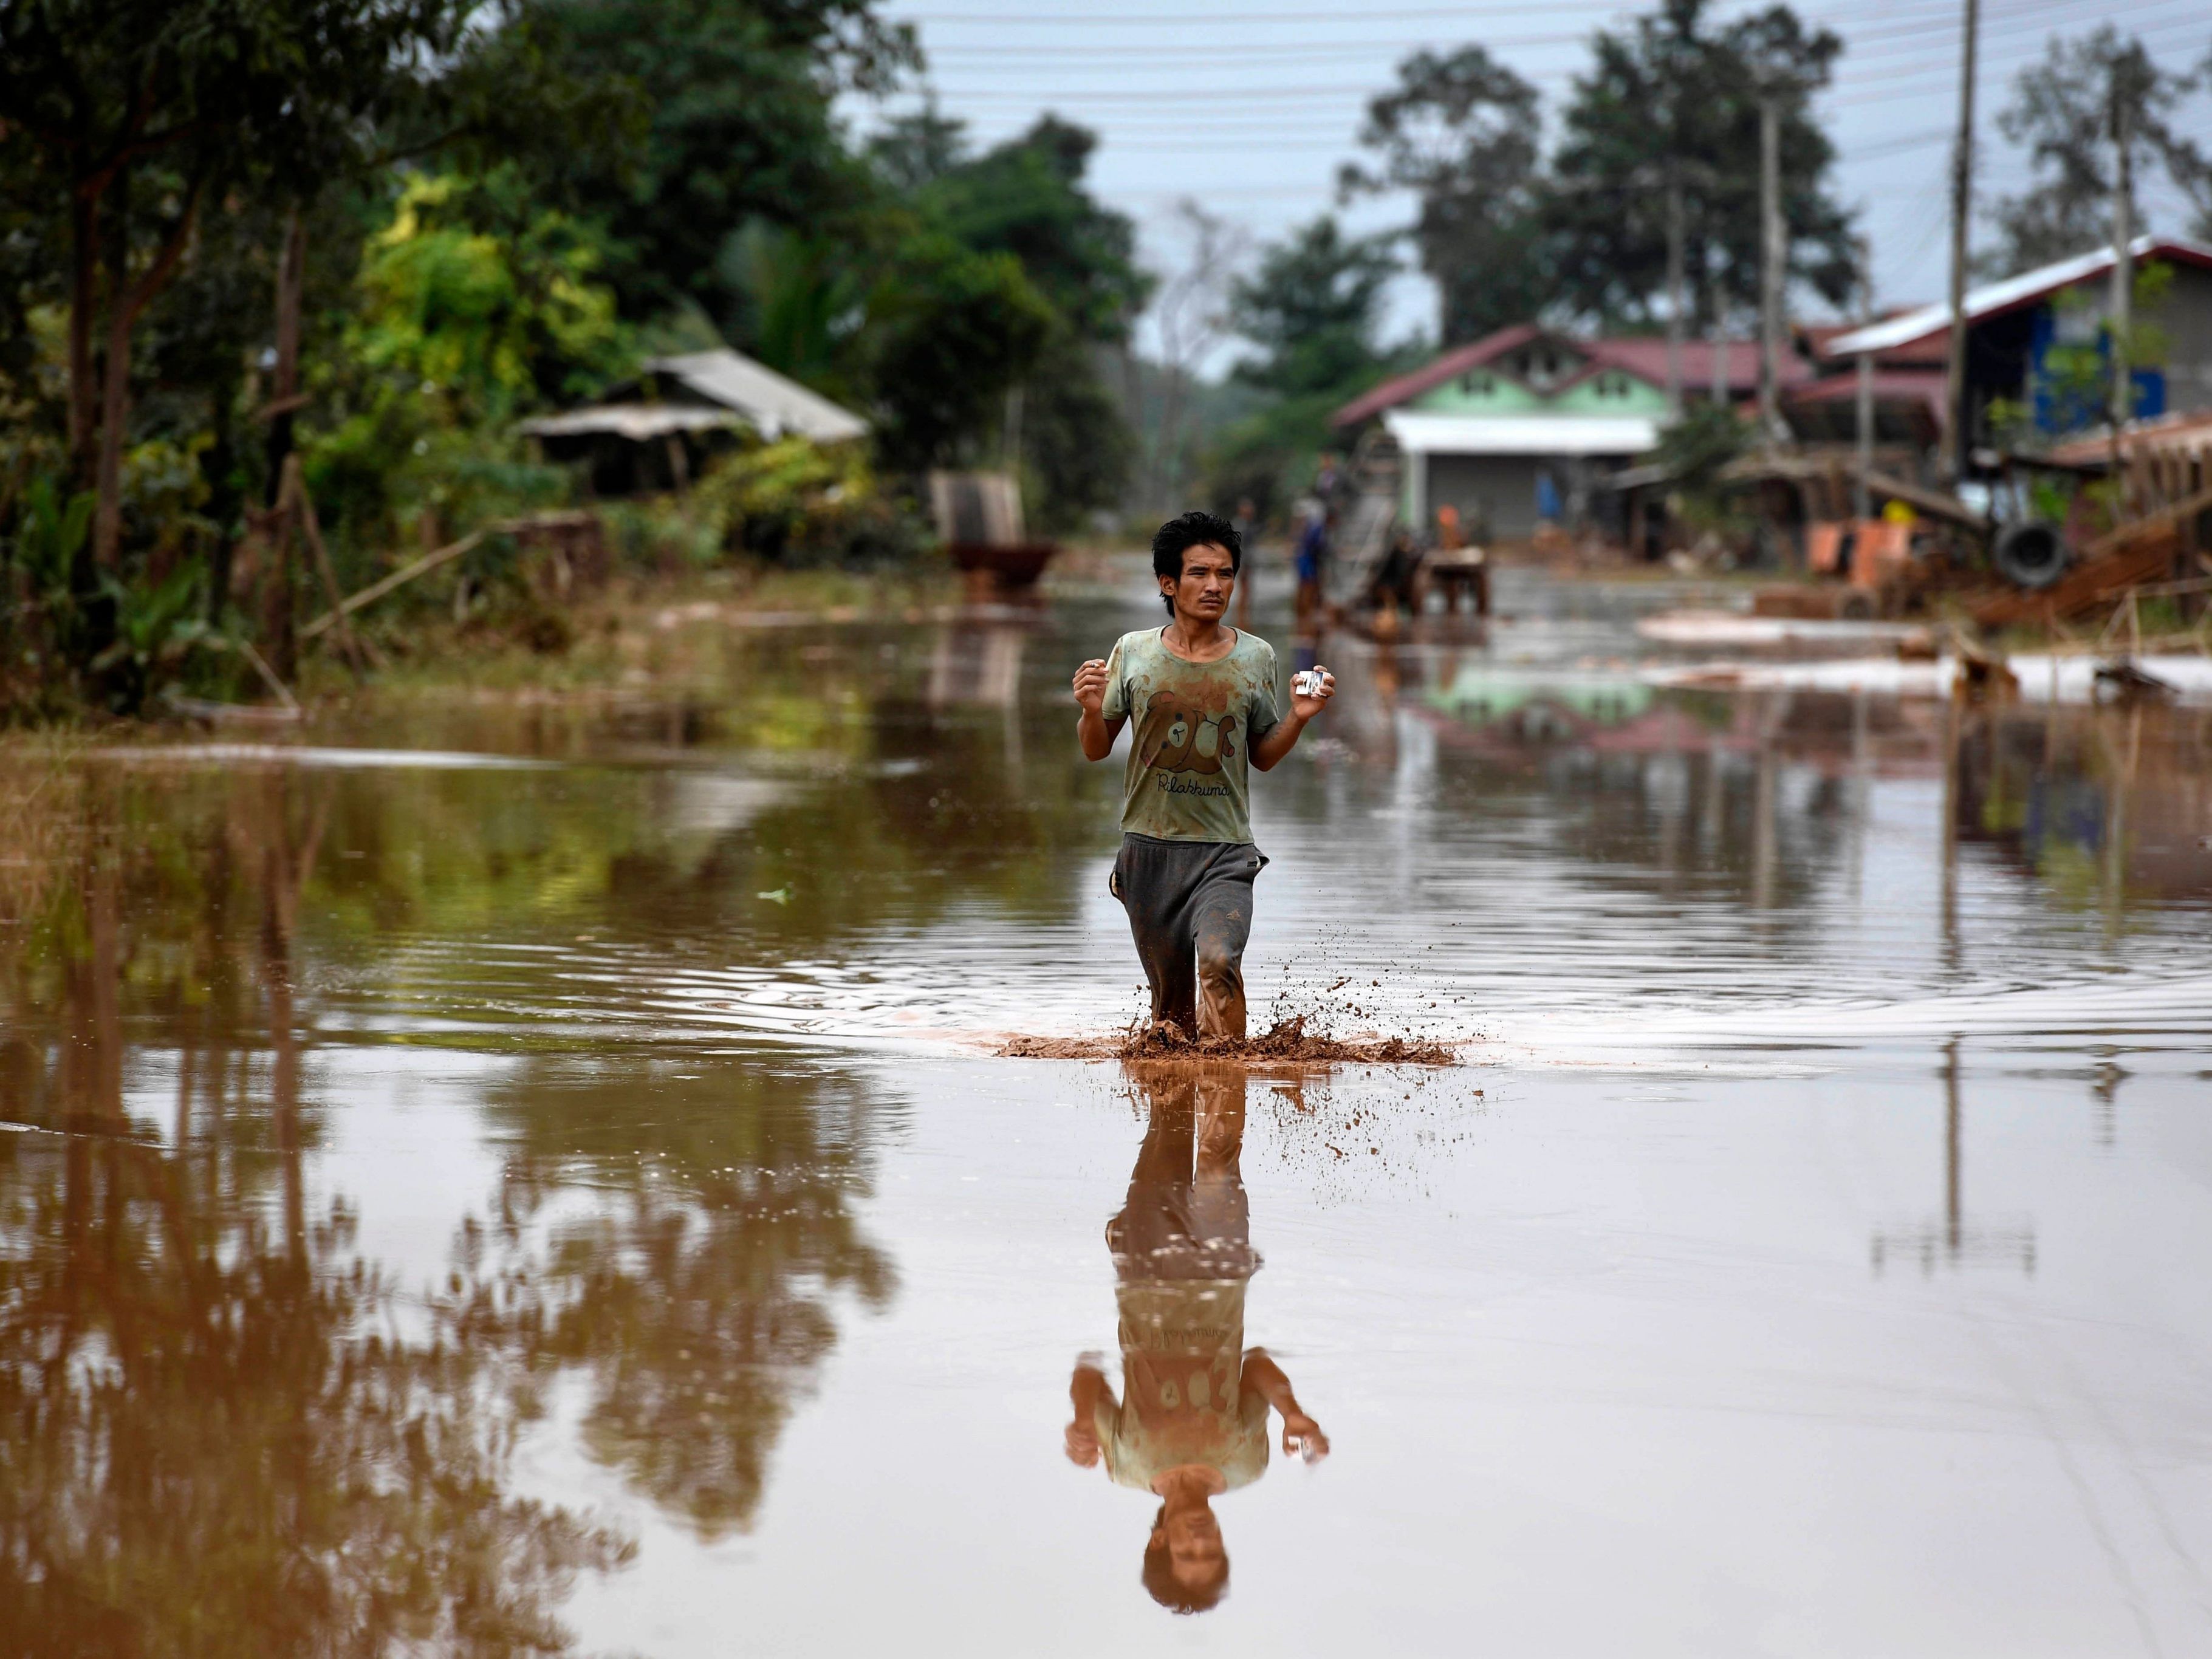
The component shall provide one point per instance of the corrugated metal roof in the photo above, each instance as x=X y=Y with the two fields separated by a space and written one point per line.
x=1994 y=299
x=1458 y=361
x=772 y=403
x=1642 y=356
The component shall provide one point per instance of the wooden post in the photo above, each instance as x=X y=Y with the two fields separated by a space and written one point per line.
x=1774 y=256
x=1958 y=442
x=293 y=498
x=1674 y=291
x=279 y=638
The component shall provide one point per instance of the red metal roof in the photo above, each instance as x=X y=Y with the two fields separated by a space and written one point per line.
x=1403 y=388
x=1642 y=355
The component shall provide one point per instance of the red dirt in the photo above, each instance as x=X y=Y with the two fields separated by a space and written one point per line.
x=1287 y=1040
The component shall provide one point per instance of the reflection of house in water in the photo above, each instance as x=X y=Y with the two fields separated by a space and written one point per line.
x=1542 y=707
x=2114 y=802
x=1505 y=713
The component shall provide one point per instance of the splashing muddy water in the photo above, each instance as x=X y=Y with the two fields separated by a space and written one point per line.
x=552 y=1156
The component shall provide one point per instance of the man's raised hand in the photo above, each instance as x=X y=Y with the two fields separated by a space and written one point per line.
x=1305 y=706
x=1090 y=687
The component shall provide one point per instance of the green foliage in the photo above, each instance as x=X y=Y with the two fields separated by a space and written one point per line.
x=157 y=628
x=1077 y=448
x=1026 y=197
x=2076 y=378
x=475 y=306
x=1672 y=92
x=487 y=298
x=1693 y=449
x=2062 y=112
x=1463 y=132
x=130 y=638
x=50 y=535
x=736 y=101
x=1311 y=309
x=950 y=330
x=803 y=303
x=797 y=503
x=1269 y=456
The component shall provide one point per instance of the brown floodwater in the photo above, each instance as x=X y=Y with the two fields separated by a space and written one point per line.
x=502 y=1176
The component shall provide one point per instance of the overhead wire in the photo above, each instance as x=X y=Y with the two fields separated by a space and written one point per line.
x=1895 y=50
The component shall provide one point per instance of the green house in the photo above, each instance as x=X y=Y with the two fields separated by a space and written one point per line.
x=1528 y=424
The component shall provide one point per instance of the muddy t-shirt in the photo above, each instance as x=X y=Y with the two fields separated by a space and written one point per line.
x=1183 y=1398
x=1195 y=723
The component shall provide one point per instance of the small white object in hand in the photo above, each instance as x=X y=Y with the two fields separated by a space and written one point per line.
x=1308 y=681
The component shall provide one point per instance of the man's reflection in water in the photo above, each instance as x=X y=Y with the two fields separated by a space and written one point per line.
x=1193 y=1418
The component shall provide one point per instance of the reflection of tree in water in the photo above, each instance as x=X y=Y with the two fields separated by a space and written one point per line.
x=220 y=1430
x=693 y=1288
x=696 y=1294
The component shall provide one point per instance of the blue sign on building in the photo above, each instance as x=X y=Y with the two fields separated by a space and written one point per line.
x=2071 y=393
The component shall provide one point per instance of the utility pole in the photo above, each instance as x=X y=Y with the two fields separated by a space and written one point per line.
x=1720 y=351
x=1861 y=496
x=1956 y=438
x=1774 y=258
x=1674 y=286
x=2122 y=305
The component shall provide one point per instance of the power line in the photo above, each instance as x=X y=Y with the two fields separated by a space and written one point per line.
x=1239 y=19
x=1937 y=23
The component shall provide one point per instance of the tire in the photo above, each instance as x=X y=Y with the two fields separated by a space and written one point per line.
x=2030 y=555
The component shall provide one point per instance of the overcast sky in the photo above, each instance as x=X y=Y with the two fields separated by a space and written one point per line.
x=1251 y=105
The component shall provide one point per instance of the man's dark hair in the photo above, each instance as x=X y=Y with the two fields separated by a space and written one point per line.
x=1159 y=1573
x=1194 y=528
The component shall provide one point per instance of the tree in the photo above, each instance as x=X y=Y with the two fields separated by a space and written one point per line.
x=128 y=117
x=800 y=301
x=1190 y=317
x=474 y=305
x=740 y=124
x=1023 y=200
x=950 y=330
x=1670 y=99
x=1463 y=132
x=1026 y=197
x=1312 y=309
x=2063 y=112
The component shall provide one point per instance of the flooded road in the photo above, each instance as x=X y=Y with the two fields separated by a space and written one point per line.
x=534 y=1177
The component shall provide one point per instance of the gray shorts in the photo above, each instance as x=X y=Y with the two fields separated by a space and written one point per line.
x=1189 y=904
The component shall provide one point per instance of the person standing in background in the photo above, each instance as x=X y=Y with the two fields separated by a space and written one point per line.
x=1308 y=552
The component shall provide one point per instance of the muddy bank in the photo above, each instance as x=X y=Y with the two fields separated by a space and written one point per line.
x=1286 y=1040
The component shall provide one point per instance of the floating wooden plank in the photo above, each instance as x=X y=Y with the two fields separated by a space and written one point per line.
x=398 y=579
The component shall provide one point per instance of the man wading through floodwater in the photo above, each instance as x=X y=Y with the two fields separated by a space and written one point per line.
x=1203 y=697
